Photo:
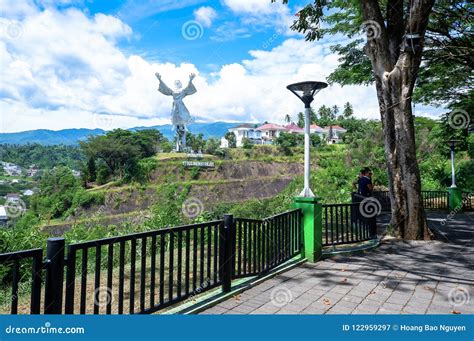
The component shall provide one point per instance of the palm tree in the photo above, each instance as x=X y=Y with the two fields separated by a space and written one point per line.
x=288 y=118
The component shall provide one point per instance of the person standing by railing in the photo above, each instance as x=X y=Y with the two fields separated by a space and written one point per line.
x=365 y=186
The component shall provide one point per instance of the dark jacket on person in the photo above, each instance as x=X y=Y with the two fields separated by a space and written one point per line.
x=363 y=185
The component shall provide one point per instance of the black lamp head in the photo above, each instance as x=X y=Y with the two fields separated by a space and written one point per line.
x=306 y=91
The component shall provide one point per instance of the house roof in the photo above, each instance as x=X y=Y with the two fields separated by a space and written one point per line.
x=245 y=126
x=271 y=126
x=336 y=127
x=294 y=127
x=316 y=127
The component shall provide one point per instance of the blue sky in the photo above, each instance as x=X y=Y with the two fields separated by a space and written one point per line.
x=157 y=27
x=91 y=64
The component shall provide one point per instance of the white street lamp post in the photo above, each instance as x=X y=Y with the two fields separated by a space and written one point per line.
x=452 y=144
x=305 y=91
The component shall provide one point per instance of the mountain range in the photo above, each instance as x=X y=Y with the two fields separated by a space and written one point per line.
x=73 y=136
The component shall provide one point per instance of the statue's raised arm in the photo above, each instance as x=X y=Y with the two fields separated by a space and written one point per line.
x=163 y=88
x=190 y=89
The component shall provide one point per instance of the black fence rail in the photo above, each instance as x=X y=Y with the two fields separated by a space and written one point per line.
x=383 y=198
x=264 y=244
x=11 y=266
x=468 y=201
x=431 y=199
x=348 y=223
x=435 y=199
x=145 y=272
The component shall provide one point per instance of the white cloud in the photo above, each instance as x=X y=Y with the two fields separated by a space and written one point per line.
x=138 y=9
x=65 y=70
x=257 y=7
x=205 y=15
x=251 y=16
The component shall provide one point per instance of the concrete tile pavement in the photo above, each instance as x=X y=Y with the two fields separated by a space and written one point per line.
x=399 y=277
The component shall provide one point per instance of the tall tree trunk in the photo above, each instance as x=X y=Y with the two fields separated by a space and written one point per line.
x=395 y=75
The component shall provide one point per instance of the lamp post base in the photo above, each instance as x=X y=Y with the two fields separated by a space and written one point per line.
x=307 y=193
x=455 y=199
x=312 y=232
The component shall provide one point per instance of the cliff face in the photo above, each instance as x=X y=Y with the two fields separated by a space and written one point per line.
x=227 y=182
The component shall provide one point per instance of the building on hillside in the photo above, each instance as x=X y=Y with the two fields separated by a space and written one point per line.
x=11 y=169
x=270 y=132
x=334 y=134
x=224 y=143
x=246 y=130
x=32 y=171
x=3 y=216
x=12 y=198
x=28 y=192
x=294 y=129
x=315 y=129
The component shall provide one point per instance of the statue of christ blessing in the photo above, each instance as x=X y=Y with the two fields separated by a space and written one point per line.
x=180 y=116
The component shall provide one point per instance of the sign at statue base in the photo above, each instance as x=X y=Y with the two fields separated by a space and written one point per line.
x=200 y=164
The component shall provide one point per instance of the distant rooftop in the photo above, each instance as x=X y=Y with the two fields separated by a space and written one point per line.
x=271 y=126
x=246 y=125
x=316 y=127
x=294 y=127
x=336 y=127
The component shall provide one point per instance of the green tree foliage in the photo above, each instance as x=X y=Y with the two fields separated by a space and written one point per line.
x=195 y=142
x=44 y=157
x=286 y=142
x=446 y=77
x=246 y=143
x=300 y=120
x=326 y=116
x=230 y=137
x=57 y=190
x=120 y=150
x=91 y=170
x=395 y=58
x=348 y=111
x=212 y=145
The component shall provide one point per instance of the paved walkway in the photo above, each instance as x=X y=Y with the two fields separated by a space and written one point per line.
x=399 y=277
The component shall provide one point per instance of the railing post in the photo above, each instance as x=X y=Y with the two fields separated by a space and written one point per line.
x=226 y=241
x=312 y=227
x=54 y=276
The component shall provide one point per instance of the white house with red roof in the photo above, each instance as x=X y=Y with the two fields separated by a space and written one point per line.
x=268 y=132
x=271 y=131
x=294 y=129
x=334 y=133
x=241 y=131
x=315 y=129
